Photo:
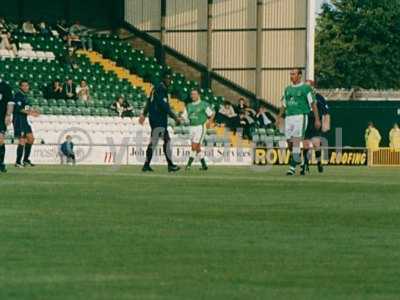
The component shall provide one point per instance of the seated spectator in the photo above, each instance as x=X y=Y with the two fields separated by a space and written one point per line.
x=43 y=29
x=242 y=106
x=67 y=151
x=80 y=33
x=71 y=59
x=264 y=118
x=246 y=123
x=122 y=107
x=83 y=91
x=3 y=25
x=6 y=42
x=63 y=30
x=29 y=28
x=226 y=115
x=54 y=90
x=69 y=89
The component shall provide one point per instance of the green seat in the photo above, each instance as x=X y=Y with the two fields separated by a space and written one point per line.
x=80 y=103
x=71 y=103
x=52 y=102
x=43 y=102
x=62 y=103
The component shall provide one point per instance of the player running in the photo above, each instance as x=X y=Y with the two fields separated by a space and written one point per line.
x=5 y=120
x=297 y=102
x=313 y=136
x=200 y=116
x=21 y=109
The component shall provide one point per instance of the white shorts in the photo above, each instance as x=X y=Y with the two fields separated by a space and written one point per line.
x=197 y=134
x=295 y=126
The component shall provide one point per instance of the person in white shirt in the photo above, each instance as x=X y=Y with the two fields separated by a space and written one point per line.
x=29 y=28
x=83 y=91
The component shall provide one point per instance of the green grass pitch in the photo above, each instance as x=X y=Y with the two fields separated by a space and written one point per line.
x=231 y=233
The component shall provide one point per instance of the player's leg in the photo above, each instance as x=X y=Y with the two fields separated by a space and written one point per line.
x=2 y=153
x=194 y=138
x=155 y=135
x=20 y=151
x=305 y=167
x=201 y=154
x=318 y=154
x=292 y=133
x=168 y=151
x=30 y=139
x=193 y=154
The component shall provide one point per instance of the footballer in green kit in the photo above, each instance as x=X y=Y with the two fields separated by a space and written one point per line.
x=297 y=102
x=200 y=115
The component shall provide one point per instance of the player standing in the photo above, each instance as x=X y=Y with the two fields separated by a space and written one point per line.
x=22 y=129
x=313 y=136
x=5 y=120
x=158 y=109
x=297 y=102
x=200 y=115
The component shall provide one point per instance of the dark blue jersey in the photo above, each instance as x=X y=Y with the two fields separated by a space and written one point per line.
x=21 y=103
x=157 y=107
x=322 y=105
x=5 y=97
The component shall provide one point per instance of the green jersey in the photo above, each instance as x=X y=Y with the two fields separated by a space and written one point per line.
x=198 y=113
x=298 y=99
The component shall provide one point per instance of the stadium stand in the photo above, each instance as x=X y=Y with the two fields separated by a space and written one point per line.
x=114 y=68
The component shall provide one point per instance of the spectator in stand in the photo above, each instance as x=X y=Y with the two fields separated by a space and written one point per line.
x=69 y=89
x=54 y=90
x=29 y=28
x=83 y=91
x=71 y=59
x=67 y=151
x=242 y=106
x=3 y=25
x=43 y=29
x=394 y=137
x=372 y=137
x=6 y=42
x=80 y=33
x=63 y=30
x=246 y=123
x=227 y=115
x=264 y=118
x=122 y=107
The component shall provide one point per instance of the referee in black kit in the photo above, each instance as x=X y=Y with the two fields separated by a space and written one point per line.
x=157 y=109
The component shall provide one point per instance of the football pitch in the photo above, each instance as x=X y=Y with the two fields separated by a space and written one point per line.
x=231 y=233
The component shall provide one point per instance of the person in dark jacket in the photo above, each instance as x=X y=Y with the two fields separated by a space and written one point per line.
x=158 y=110
x=67 y=150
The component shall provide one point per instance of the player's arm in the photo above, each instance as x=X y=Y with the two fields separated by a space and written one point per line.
x=281 y=113
x=10 y=110
x=313 y=103
x=145 y=111
x=210 y=115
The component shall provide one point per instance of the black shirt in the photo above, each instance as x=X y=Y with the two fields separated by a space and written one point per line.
x=5 y=97
x=21 y=103
x=158 y=108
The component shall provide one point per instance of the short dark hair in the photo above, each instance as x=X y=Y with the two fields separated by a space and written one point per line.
x=23 y=81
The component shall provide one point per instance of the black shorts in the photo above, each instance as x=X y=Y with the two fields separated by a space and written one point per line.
x=21 y=129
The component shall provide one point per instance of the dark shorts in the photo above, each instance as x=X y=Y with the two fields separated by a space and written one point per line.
x=21 y=129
